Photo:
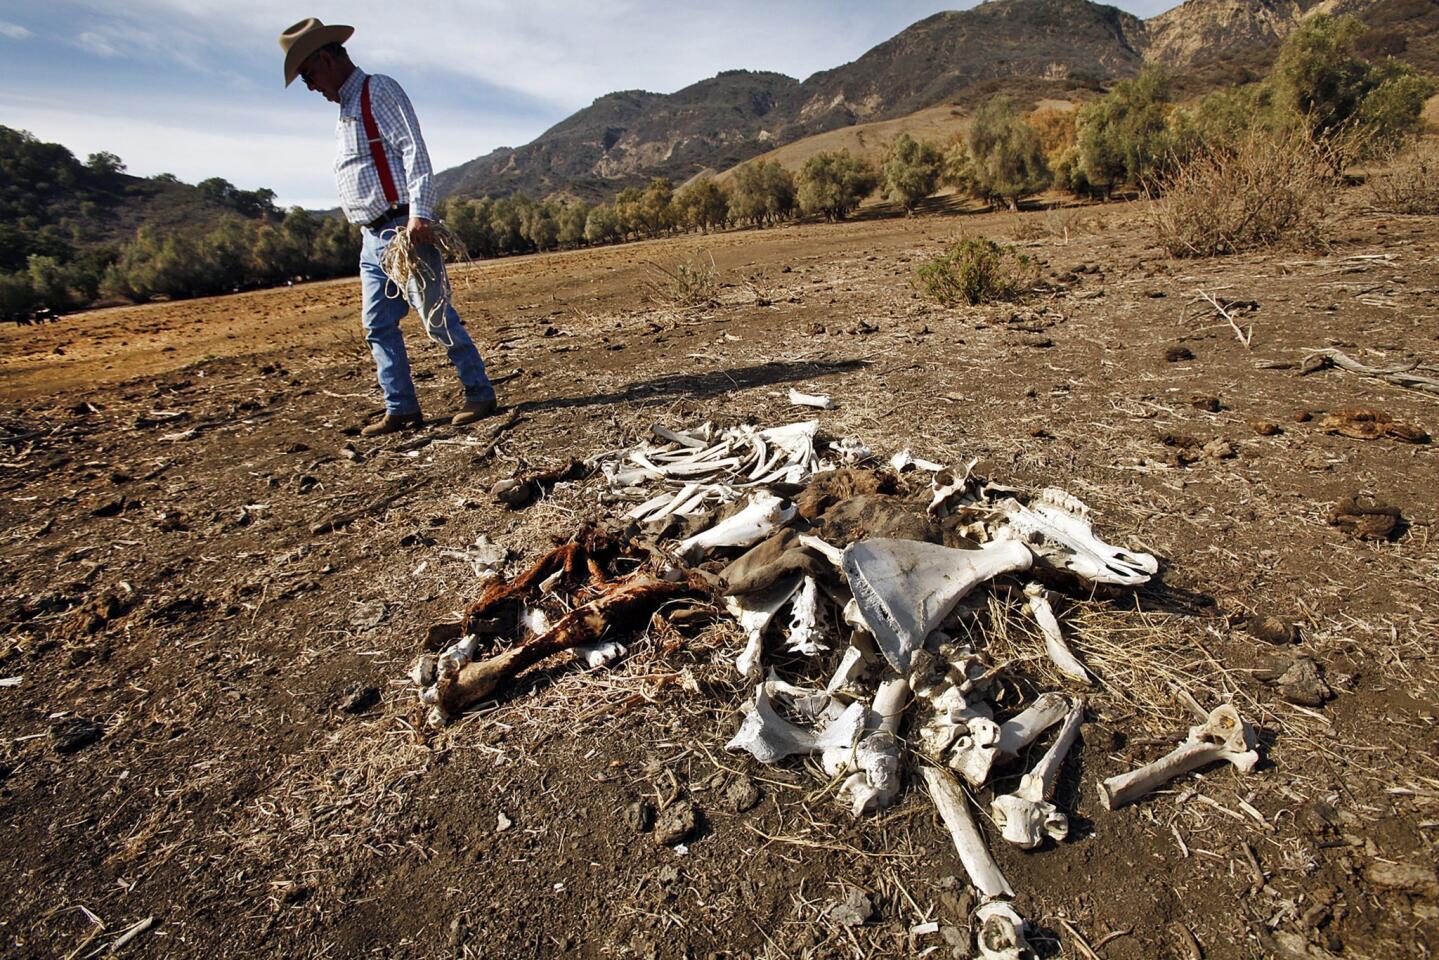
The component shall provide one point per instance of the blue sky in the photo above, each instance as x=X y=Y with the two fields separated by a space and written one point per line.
x=194 y=87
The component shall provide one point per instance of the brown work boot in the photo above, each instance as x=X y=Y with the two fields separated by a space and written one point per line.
x=393 y=423
x=472 y=411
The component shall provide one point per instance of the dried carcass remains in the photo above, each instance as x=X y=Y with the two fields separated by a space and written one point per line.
x=854 y=580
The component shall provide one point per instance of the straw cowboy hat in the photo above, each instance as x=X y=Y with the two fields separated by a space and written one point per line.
x=304 y=38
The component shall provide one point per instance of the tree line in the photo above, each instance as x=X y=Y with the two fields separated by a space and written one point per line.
x=1125 y=140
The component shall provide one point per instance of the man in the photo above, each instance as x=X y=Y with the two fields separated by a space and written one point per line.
x=383 y=173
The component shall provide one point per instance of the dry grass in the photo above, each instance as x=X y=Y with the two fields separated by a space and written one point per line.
x=686 y=283
x=1411 y=184
x=1264 y=191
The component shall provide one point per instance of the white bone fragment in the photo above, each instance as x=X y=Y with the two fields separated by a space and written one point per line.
x=976 y=743
x=596 y=655
x=851 y=667
x=1038 y=606
x=903 y=460
x=980 y=742
x=769 y=737
x=487 y=557
x=851 y=450
x=1057 y=527
x=873 y=762
x=1224 y=735
x=534 y=620
x=1001 y=932
x=1022 y=729
x=946 y=485
x=1026 y=816
x=675 y=436
x=754 y=611
x=953 y=808
x=831 y=553
x=819 y=400
x=904 y=588
x=807 y=626
x=765 y=514
x=422 y=671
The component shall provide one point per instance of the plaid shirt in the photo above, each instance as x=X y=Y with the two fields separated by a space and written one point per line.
x=361 y=196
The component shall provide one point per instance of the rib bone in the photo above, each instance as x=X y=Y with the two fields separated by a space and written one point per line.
x=953 y=808
x=1223 y=736
x=1025 y=816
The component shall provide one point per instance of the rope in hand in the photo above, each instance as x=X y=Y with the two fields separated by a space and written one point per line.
x=402 y=264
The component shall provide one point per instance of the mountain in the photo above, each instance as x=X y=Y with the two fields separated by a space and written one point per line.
x=1032 y=46
x=628 y=137
x=940 y=57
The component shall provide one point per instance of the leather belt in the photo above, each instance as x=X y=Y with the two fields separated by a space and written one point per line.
x=395 y=212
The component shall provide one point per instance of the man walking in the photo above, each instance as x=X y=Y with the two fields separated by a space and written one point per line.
x=386 y=185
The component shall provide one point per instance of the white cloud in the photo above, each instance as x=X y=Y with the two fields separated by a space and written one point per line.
x=13 y=30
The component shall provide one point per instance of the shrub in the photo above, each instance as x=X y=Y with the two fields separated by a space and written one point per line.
x=701 y=205
x=763 y=193
x=1123 y=137
x=976 y=271
x=834 y=183
x=1267 y=189
x=1410 y=185
x=685 y=284
x=911 y=171
x=1055 y=129
x=602 y=225
x=1006 y=159
x=1321 y=82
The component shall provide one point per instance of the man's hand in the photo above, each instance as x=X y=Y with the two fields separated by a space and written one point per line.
x=420 y=231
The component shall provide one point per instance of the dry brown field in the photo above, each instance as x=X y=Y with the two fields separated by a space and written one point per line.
x=206 y=721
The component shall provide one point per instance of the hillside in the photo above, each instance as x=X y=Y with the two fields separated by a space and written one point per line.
x=629 y=136
x=54 y=205
x=623 y=139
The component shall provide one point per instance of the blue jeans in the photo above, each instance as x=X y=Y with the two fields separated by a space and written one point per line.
x=382 y=314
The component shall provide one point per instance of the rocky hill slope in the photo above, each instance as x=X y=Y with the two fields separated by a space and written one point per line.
x=622 y=139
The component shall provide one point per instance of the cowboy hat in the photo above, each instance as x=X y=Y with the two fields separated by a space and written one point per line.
x=304 y=38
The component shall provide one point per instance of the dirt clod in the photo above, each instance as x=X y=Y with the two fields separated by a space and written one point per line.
x=639 y=816
x=1265 y=428
x=1302 y=682
x=676 y=823
x=1178 y=353
x=362 y=698
x=854 y=909
x=74 y=733
x=742 y=795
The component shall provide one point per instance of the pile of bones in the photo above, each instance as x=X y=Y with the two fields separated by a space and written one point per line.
x=864 y=584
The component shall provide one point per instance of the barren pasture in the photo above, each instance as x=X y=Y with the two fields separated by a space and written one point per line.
x=216 y=588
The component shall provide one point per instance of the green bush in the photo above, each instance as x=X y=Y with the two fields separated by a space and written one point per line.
x=975 y=271
x=911 y=170
x=1123 y=137
x=834 y=183
x=763 y=193
x=1006 y=156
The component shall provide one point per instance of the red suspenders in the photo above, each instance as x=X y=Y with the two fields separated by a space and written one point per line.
x=377 y=148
